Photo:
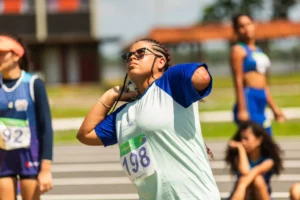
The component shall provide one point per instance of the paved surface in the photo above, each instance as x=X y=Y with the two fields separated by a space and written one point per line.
x=89 y=173
x=212 y=116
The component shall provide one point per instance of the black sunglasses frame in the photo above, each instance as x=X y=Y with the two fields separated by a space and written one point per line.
x=126 y=56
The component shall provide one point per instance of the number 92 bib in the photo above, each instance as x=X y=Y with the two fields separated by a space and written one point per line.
x=137 y=159
x=14 y=134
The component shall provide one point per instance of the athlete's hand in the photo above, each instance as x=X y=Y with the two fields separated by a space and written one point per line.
x=243 y=115
x=209 y=152
x=45 y=181
x=44 y=178
x=126 y=96
x=235 y=144
x=278 y=115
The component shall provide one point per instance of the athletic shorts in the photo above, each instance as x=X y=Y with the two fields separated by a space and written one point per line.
x=256 y=102
x=19 y=163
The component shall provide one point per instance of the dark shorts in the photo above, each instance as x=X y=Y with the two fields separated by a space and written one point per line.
x=19 y=163
x=19 y=177
x=256 y=102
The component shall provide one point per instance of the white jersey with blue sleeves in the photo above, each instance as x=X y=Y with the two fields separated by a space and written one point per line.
x=159 y=135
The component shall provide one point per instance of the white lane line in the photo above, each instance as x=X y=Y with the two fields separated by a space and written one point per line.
x=220 y=155
x=86 y=167
x=286 y=164
x=91 y=181
x=282 y=177
x=86 y=158
x=98 y=167
x=89 y=197
x=125 y=180
x=126 y=196
x=273 y=195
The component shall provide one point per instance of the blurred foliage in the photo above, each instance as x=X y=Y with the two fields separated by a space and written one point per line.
x=225 y=9
x=111 y=60
x=281 y=8
x=221 y=56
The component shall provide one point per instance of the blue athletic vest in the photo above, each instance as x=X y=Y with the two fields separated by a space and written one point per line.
x=17 y=109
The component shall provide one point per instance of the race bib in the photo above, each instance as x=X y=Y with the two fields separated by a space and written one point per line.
x=137 y=159
x=14 y=134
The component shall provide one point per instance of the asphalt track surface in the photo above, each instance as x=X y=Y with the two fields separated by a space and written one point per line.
x=89 y=173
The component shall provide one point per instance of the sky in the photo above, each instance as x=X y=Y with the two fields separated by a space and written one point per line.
x=129 y=19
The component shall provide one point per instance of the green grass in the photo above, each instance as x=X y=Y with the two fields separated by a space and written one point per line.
x=65 y=137
x=224 y=99
x=76 y=90
x=69 y=112
x=224 y=129
x=209 y=130
x=76 y=100
x=286 y=79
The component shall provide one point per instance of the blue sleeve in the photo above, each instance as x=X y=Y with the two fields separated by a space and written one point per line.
x=177 y=82
x=43 y=117
x=106 y=130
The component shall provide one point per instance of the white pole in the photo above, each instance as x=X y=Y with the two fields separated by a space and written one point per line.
x=41 y=20
x=93 y=18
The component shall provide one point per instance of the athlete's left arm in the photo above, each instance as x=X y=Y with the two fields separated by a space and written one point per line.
x=201 y=79
x=270 y=101
x=45 y=135
x=43 y=118
x=260 y=169
x=186 y=83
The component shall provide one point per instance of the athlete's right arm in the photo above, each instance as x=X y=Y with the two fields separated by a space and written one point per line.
x=236 y=61
x=241 y=160
x=97 y=114
x=98 y=128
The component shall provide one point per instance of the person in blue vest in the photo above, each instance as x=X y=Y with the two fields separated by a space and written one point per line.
x=26 y=136
x=250 y=67
x=158 y=130
x=254 y=157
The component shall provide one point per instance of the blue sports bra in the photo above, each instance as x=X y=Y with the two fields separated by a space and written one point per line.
x=255 y=60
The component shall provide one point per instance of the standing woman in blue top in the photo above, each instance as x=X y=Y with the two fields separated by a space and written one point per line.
x=26 y=136
x=254 y=157
x=250 y=66
x=158 y=134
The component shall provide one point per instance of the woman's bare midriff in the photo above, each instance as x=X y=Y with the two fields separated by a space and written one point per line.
x=255 y=80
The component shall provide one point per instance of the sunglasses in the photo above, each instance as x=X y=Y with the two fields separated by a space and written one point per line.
x=139 y=54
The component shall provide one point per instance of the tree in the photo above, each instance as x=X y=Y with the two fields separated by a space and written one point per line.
x=281 y=8
x=225 y=9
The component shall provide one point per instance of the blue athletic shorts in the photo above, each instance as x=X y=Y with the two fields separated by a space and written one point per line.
x=256 y=102
x=24 y=163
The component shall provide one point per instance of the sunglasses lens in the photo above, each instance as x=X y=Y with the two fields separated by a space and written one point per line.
x=140 y=53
